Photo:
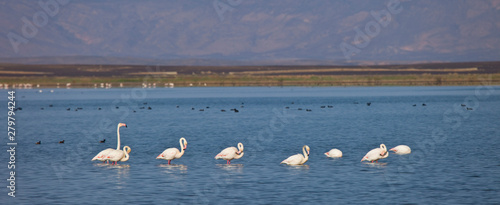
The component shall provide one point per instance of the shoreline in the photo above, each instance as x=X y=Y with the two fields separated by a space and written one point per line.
x=453 y=79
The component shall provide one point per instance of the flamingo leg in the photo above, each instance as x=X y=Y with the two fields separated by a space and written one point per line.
x=228 y=162
x=169 y=161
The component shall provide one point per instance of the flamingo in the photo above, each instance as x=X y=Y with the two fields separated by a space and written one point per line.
x=101 y=156
x=173 y=153
x=401 y=149
x=105 y=153
x=298 y=159
x=376 y=154
x=334 y=153
x=231 y=153
x=118 y=155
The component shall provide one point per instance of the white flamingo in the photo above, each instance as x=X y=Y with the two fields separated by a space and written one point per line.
x=376 y=154
x=119 y=155
x=401 y=149
x=231 y=153
x=298 y=159
x=334 y=153
x=101 y=156
x=173 y=153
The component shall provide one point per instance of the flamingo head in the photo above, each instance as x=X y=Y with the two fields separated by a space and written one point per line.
x=159 y=156
x=394 y=150
x=122 y=125
x=326 y=153
x=184 y=142
x=307 y=149
x=127 y=149
x=383 y=148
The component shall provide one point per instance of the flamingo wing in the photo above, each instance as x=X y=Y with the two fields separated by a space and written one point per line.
x=373 y=155
x=115 y=155
x=334 y=153
x=101 y=156
x=227 y=154
x=401 y=149
x=294 y=160
x=168 y=154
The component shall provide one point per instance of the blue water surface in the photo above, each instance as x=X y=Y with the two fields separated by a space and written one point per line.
x=454 y=157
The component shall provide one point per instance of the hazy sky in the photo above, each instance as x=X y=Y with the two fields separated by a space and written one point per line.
x=246 y=30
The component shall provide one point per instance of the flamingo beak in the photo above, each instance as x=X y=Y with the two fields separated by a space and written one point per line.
x=185 y=146
x=161 y=155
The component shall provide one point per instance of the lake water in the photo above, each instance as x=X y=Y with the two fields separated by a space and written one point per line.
x=454 y=159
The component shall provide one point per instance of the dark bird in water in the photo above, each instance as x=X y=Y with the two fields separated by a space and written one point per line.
x=330 y=106
x=68 y=109
x=149 y=108
x=223 y=110
x=308 y=110
x=192 y=108
x=102 y=141
x=60 y=142
x=414 y=105
x=323 y=106
x=99 y=108
x=39 y=142
x=202 y=109
x=423 y=104
x=117 y=107
x=41 y=108
x=236 y=110
x=177 y=106
x=299 y=109
x=287 y=107
x=51 y=105
x=463 y=105
x=469 y=108
x=368 y=103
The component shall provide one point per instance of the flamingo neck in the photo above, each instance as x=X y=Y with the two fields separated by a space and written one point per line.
x=126 y=155
x=182 y=148
x=118 y=136
x=306 y=156
x=239 y=155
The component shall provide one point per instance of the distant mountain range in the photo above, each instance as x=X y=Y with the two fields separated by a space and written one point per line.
x=222 y=32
